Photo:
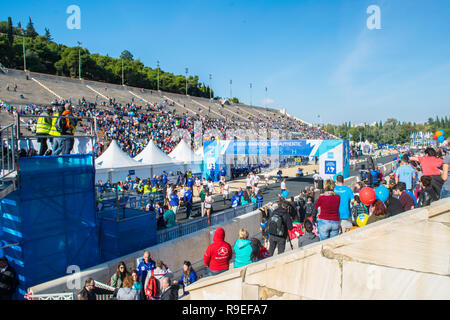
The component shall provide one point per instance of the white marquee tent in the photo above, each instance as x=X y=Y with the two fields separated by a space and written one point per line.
x=158 y=160
x=182 y=152
x=114 y=164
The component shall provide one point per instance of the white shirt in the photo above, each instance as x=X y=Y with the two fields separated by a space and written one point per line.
x=283 y=185
x=210 y=199
x=198 y=182
x=226 y=189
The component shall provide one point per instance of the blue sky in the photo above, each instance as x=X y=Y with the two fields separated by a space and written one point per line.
x=316 y=57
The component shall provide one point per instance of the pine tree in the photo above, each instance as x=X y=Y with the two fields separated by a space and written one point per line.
x=10 y=51
x=30 y=31
x=10 y=33
x=47 y=35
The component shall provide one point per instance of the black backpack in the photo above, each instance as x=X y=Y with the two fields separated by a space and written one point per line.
x=275 y=225
x=60 y=124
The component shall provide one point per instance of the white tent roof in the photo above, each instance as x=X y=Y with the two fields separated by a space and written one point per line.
x=199 y=152
x=114 y=157
x=153 y=155
x=184 y=153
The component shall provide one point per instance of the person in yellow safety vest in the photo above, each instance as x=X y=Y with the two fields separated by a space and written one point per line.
x=44 y=124
x=57 y=142
x=68 y=129
x=147 y=188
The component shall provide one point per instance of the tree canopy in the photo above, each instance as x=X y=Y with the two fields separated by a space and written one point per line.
x=390 y=132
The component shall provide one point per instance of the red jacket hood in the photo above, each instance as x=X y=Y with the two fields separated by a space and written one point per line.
x=219 y=235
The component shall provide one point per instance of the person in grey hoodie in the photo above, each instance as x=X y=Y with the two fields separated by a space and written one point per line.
x=127 y=292
x=309 y=237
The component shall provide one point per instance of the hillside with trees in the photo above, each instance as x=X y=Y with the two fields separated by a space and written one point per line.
x=46 y=56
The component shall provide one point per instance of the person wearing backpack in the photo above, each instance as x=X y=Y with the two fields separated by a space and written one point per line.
x=277 y=227
x=57 y=145
x=44 y=124
x=67 y=127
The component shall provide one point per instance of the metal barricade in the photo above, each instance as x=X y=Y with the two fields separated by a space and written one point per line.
x=51 y=296
x=202 y=223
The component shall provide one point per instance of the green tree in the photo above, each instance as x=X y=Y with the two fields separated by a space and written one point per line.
x=47 y=35
x=30 y=31
x=126 y=55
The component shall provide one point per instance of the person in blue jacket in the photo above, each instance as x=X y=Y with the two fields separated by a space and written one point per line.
x=190 y=182
x=145 y=265
x=164 y=178
x=174 y=201
x=188 y=202
x=188 y=276
x=259 y=199
x=154 y=180
x=235 y=200
x=222 y=174
x=212 y=174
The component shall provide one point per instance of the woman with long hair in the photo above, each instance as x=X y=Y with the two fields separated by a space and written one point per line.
x=188 y=277
x=119 y=276
x=379 y=212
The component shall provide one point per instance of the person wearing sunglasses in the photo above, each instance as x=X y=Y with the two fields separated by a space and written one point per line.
x=119 y=276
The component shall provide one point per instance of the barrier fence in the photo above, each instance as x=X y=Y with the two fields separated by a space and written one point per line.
x=202 y=223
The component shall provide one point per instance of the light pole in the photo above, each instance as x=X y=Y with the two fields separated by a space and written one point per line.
x=231 y=92
x=210 y=92
x=24 y=55
x=79 y=60
x=187 y=70
x=157 y=65
x=265 y=101
x=250 y=94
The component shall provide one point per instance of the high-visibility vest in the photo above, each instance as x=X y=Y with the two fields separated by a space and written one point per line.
x=69 y=126
x=146 y=188
x=43 y=125
x=53 y=131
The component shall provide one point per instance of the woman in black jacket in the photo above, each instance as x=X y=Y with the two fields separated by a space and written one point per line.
x=427 y=194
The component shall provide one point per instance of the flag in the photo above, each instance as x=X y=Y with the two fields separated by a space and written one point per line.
x=350 y=135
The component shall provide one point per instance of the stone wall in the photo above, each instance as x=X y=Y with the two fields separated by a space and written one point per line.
x=402 y=257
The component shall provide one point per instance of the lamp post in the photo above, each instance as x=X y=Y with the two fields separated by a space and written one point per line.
x=265 y=101
x=79 y=60
x=210 y=92
x=250 y=94
x=231 y=92
x=187 y=70
x=157 y=65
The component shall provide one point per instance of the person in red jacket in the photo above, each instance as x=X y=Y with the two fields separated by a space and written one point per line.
x=218 y=254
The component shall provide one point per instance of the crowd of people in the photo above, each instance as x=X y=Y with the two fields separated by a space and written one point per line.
x=416 y=182
x=133 y=125
x=166 y=199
